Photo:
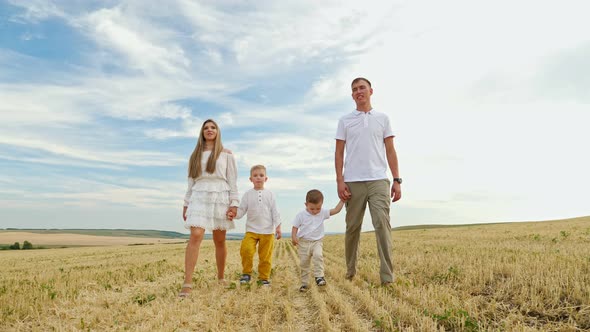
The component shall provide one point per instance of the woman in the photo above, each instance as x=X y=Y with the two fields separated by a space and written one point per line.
x=211 y=200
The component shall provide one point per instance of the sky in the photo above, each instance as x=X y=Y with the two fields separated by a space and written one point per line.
x=101 y=103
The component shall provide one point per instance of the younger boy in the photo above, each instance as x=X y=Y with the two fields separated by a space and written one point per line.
x=263 y=222
x=307 y=233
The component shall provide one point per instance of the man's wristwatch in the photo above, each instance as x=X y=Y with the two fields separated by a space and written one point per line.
x=398 y=180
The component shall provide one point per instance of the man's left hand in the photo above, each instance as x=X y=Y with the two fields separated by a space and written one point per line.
x=396 y=191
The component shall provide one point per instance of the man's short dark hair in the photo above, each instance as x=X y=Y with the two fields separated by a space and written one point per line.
x=360 y=79
x=314 y=196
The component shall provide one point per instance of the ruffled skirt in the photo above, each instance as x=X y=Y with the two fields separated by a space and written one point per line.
x=208 y=205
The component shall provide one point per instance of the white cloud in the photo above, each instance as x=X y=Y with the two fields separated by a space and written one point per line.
x=58 y=162
x=48 y=104
x=119 y=157
x=285 y=152
x=129 y=36
x=27 y=36
x=329 y=90
x=36 y=10
x=475 y=95
x=319 y=31
x=92 y=191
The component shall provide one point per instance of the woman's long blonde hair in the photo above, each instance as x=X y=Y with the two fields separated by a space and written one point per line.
x=194 y=164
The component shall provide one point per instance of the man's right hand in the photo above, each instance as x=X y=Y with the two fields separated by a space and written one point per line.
x=343 y=191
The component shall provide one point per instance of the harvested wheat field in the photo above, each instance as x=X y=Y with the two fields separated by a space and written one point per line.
x=518 y=276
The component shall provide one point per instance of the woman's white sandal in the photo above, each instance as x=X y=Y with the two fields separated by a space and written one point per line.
x=185 y=294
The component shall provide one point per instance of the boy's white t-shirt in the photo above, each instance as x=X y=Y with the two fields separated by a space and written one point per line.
x=311 y=227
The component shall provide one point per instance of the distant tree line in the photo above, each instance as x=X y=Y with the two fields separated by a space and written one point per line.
x=16 y=246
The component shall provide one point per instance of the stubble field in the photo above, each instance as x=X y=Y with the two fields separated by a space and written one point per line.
x=519 y=276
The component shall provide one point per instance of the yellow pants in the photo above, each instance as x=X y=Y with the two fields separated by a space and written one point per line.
x=265 y=244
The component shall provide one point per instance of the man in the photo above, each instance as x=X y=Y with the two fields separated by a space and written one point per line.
x=367 y=137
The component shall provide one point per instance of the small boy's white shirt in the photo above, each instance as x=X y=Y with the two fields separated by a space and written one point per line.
x=311 y=227
x=261 y=212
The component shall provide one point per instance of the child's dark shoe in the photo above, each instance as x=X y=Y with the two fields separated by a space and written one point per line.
x=320 y=281
x=245 y=279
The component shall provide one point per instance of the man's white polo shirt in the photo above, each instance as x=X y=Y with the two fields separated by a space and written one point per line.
x=364 y=133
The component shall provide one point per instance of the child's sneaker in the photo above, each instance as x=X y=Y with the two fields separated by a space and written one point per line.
x=303 y=288
x=264 y=283
x=245 y=279
x=320 y=281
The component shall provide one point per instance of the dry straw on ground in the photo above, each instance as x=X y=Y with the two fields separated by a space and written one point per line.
x=519 y=276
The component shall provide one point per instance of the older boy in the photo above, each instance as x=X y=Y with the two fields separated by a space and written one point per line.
x=263 y=222
x=307 y=233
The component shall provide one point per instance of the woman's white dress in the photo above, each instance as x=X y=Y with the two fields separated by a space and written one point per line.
x=209 y=196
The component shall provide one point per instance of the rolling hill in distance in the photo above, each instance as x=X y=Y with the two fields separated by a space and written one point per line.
x=160 y=234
